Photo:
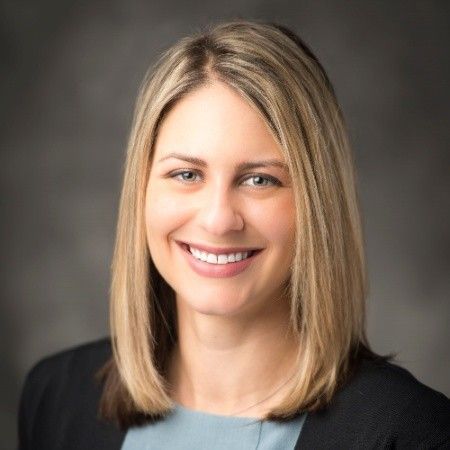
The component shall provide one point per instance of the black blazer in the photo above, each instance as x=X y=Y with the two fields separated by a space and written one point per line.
x=382 y=407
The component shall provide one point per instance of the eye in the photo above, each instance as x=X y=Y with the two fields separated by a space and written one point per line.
x=260 y=178
x=183 y=172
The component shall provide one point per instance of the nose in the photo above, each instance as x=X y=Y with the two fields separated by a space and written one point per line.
x=219 y=211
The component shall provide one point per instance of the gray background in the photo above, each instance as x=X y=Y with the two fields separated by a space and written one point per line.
x=70 y=76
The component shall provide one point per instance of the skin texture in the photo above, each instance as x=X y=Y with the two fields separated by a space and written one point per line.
x=238 y=322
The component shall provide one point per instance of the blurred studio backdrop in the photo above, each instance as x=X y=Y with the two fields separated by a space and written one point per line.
x=70 y=75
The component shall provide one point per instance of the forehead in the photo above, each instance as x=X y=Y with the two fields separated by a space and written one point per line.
x=215 y=121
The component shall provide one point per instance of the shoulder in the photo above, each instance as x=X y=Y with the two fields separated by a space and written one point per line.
x=415 y=414
x=389 y=387
x=60 y=396
x=80 y=359
x=383 y=404
x=72 y=369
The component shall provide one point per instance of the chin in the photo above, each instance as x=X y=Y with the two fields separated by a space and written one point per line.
x=214 y=307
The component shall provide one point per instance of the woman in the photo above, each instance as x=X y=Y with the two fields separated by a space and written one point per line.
x=238 y=279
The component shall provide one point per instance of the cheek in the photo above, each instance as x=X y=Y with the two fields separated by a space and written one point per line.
x=276 y=221
x=162 y=213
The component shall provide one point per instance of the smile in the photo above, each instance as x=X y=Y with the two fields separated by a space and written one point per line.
x=217 y=266
x=213 y=258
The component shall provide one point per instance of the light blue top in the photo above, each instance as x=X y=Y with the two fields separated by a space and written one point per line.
x=189 y=429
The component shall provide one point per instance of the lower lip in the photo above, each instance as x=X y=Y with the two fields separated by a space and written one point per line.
x=216 y=270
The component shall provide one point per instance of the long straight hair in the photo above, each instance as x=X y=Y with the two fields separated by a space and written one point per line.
x=271 y=68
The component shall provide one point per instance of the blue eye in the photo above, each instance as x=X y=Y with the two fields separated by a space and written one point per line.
x=266 y=179
x=271 y=180
x=188 y=180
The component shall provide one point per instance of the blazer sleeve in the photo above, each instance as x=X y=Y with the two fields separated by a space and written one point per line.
x=58 y=407
x=32 y=403
x=24 y=420
x=423 y=421
x=383 y=406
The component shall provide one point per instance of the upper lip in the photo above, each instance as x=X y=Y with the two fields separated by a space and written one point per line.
x=217 y=250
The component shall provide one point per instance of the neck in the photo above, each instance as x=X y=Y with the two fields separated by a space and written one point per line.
x=223 y=366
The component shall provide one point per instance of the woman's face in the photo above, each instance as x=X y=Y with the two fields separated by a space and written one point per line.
x=219 y=208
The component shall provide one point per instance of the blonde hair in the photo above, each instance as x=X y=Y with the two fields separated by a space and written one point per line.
x=274 y=71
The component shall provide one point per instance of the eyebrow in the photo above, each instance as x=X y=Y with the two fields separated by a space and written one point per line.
x=241 y=166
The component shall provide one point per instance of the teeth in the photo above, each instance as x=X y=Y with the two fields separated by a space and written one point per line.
x=218 y=259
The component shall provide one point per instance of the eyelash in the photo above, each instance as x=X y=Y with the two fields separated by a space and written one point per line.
x=273 y=180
